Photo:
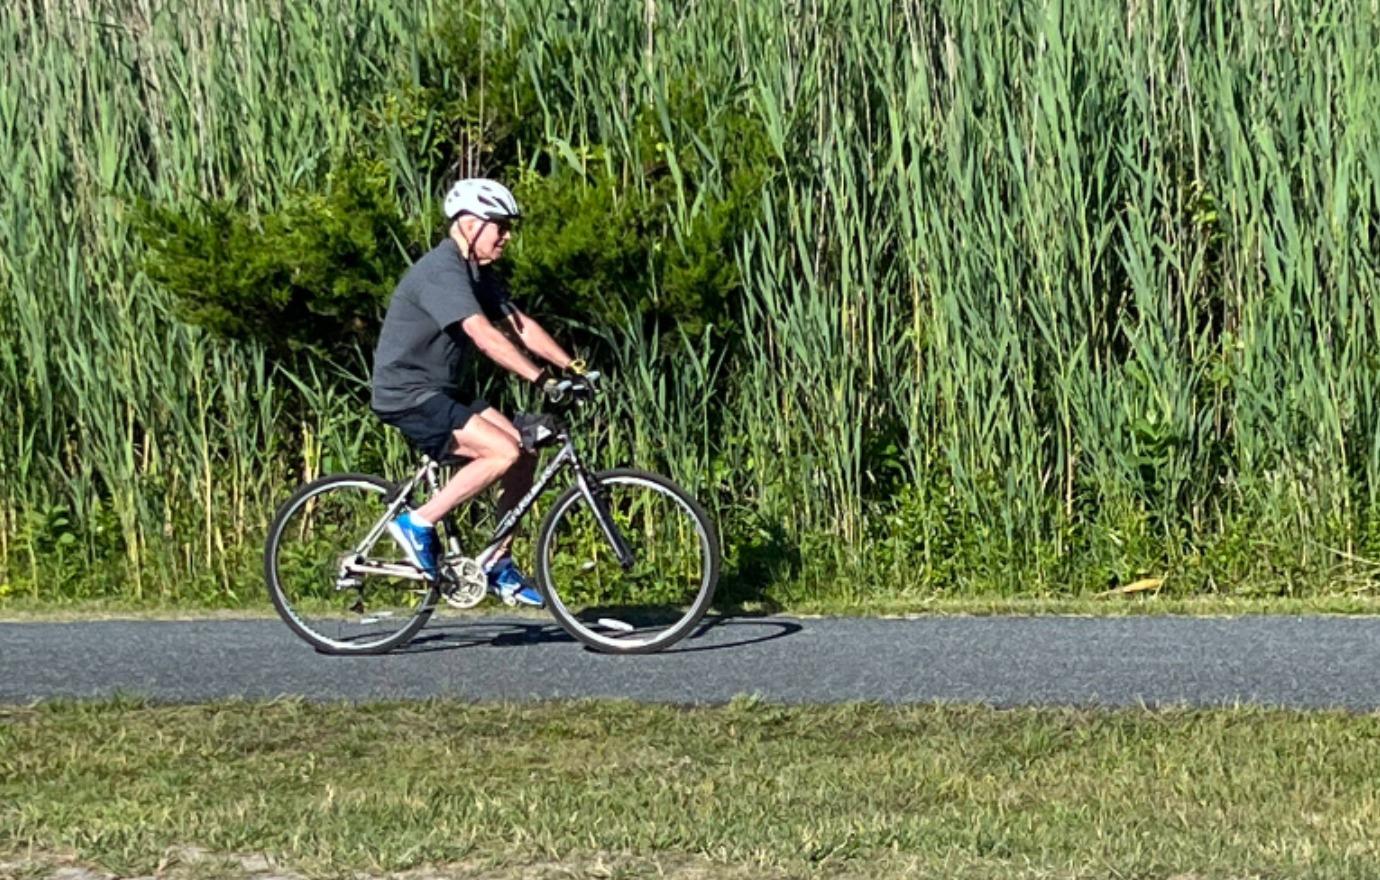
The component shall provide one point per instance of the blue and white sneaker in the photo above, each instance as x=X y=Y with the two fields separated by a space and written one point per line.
x=508 y=583
x=419 y=542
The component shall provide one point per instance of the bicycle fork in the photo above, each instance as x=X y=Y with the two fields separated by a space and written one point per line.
x=598 y=498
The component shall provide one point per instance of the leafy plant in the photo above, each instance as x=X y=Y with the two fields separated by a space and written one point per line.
x=314 y=273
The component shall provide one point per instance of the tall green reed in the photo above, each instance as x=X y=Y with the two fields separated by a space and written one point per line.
x=1038 y=296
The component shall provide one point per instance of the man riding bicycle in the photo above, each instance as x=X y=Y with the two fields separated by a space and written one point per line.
x=449 y=300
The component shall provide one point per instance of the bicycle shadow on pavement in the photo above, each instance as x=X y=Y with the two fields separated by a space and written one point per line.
x=451 y=635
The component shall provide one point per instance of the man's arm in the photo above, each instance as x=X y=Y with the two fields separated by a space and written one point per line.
x=490 y=340
x=535 y=338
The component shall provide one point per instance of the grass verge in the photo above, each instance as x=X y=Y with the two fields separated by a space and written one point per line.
x=747 y=789
x=29 y=609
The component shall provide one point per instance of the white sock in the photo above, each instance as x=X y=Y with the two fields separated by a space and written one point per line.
x=424 y=523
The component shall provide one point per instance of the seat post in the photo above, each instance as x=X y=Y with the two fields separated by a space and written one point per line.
x=432 y=470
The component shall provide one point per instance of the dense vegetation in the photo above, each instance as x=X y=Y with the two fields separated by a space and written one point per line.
x=953 y=297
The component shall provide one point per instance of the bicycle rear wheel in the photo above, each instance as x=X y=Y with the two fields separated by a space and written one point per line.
x=314 y=535
x=657 y=599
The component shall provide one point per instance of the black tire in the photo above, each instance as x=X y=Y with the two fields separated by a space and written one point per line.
x=663 y=624
x=284 y=587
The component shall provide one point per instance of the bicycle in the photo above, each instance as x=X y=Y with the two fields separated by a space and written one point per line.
x=626 y=560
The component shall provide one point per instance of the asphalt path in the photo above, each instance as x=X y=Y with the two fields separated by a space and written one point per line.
x=1304 y=662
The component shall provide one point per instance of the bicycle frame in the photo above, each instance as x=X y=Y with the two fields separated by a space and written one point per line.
x=357 y=562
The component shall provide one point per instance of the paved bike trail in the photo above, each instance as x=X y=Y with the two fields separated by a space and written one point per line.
x=1305 y=662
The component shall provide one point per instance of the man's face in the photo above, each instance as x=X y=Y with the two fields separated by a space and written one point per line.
x=488 y=237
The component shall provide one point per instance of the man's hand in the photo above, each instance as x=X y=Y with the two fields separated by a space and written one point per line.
x=583 y=386
x=557 y=389
x=554 y=389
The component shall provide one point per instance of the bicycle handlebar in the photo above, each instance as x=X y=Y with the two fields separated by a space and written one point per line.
x=579 y=389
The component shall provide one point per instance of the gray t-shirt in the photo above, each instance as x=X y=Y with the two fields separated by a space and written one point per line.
x=421 y=345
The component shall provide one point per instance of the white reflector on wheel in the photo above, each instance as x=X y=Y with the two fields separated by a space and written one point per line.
x=610 y=623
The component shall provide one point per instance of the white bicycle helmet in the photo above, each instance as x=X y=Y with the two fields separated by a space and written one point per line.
x=484 y=198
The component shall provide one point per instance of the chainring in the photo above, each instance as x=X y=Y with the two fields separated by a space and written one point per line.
x=465 y=584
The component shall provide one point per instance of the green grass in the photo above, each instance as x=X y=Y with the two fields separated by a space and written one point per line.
x=768 y=790
x=59 y=609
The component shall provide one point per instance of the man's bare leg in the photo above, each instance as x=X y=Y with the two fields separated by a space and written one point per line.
x=492 y=453
x=517 y=480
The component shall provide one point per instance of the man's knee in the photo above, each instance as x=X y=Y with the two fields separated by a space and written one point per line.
x=480 y=441
x=508 y=455
x=501 y=452
x=500 y=421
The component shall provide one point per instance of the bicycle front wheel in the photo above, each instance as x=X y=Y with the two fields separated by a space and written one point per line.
x=318 y=544
x=642 y=603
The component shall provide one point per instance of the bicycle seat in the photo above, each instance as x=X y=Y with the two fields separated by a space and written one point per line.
x=537 y=430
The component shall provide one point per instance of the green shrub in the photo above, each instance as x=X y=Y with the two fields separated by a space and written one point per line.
x=594 y=248
x=313 y=274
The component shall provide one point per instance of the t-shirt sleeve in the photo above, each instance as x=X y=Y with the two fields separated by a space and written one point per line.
x=447 y=299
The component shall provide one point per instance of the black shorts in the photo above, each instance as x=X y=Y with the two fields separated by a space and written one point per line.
x=430 y=424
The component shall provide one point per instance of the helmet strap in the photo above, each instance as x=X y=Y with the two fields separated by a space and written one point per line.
x=469 y=241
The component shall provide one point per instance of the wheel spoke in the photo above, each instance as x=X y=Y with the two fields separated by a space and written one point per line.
x=314 y=582
x=660 y=595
